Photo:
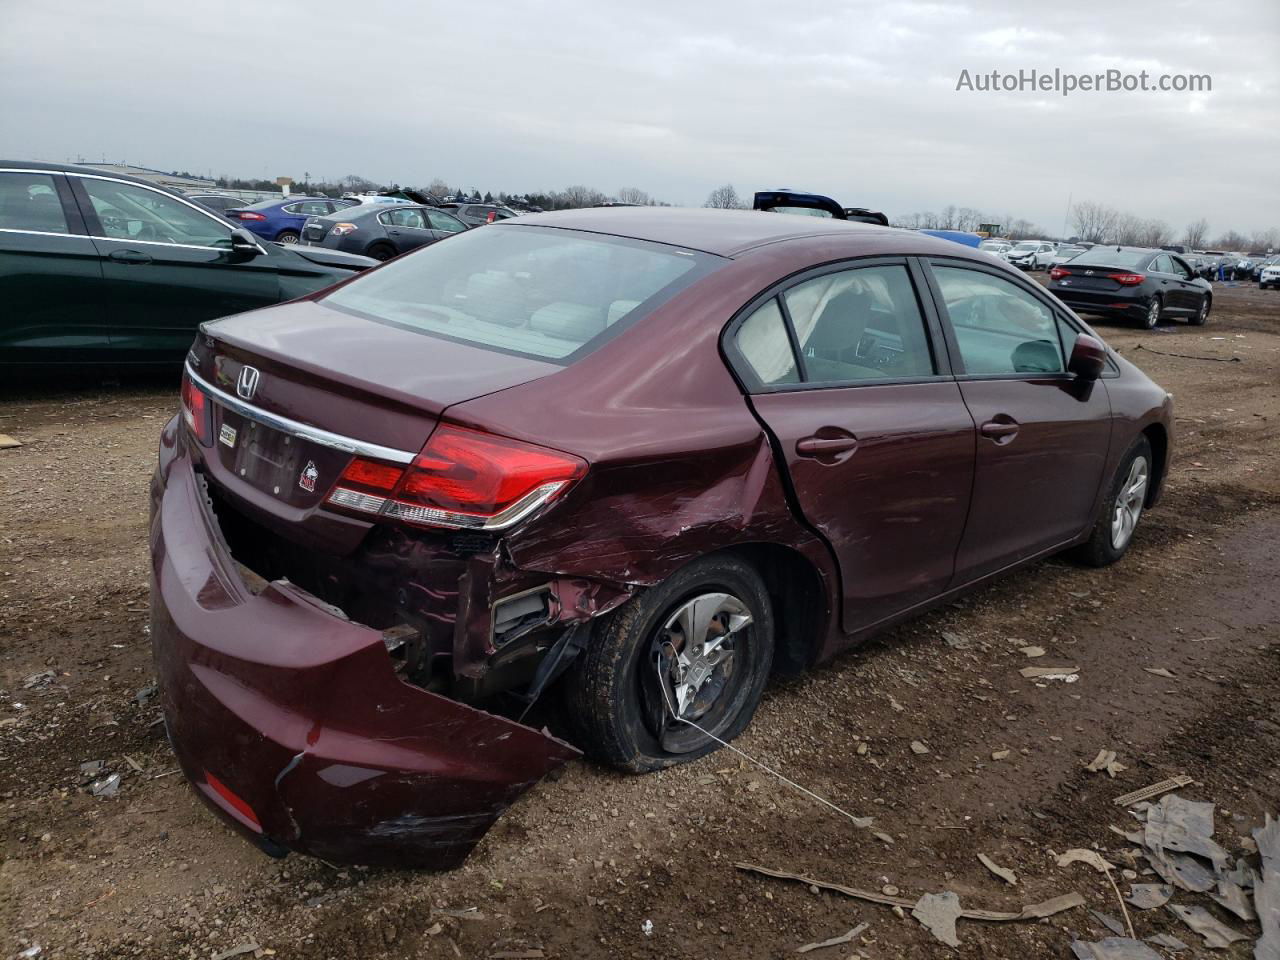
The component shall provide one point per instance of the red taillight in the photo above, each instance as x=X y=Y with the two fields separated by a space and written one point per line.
x=1057 y=273
x=195 y=411
x=248 y=216
x=462 y=478
x=1127 y=279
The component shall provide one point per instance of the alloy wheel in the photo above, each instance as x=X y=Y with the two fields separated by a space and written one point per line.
x=1153 y=313
x=1129 y=502
x=695 y=670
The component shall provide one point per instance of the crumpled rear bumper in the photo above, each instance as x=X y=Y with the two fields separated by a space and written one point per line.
x=291 y=723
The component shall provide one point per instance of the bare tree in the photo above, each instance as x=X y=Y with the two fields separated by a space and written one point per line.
x=1153 y=233
x=580 y=196
x=910 y=221
x=724 y=198
x=1093 y=221
x=967 y=219
x=1232 y=240
x=634 y=195
x=1197 y=234
x=1265 y=241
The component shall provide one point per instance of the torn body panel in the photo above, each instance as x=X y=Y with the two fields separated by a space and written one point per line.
x=292 y=723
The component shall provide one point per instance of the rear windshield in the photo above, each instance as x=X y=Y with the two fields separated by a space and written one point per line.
x=532 y=291
x=1110 y=257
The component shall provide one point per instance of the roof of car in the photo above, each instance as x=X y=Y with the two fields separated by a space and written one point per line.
x=725 y=233
x=78 y=168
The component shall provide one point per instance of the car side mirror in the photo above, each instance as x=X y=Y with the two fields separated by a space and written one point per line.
x=1088 y=358
x=243 y=244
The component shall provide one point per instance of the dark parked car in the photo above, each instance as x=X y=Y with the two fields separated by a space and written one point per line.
x=631 y=458
x=217 y=202
x=813 y=205
x=104 y=269
x=381 y=231
x=1133 y=283
x=478 y=214
x=282 y=220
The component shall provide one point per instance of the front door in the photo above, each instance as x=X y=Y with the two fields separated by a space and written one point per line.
x=168 y=267
x=407 y=228
x=875 y=436
x=1042 y=439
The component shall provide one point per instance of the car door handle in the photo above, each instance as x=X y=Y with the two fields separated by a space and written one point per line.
x=825 y=446
x=1001 y=431
x=129 y=256
x=394 y=233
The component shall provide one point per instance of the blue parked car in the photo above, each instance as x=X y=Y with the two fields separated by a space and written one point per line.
x=282 y=219
x=956 y=236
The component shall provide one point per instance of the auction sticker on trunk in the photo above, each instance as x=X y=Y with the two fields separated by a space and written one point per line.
x=307 y=479
x=227 y=435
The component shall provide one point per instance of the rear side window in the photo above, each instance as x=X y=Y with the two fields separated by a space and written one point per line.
x=763 y=342
x=442 y=221
x=29 y=201
x=403 y=218
x=862 y=324
x=533 y=291
x=999 y=328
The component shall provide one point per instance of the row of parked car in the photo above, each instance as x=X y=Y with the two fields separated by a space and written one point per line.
x=1046 y=254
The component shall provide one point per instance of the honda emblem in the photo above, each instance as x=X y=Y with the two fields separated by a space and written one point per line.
x=247 y=382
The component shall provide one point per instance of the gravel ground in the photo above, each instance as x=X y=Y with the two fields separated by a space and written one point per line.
x=583 y=861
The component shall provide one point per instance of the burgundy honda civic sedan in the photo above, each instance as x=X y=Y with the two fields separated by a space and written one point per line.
x=622 y=463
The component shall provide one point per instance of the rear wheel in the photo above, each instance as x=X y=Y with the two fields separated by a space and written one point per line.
x=1116 y=522
x=1152 y=319
x=382 y=251
x=1202 y=315
x=687 y=656
x=287 y=236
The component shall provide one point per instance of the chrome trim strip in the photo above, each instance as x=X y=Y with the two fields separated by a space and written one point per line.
x=302 y=431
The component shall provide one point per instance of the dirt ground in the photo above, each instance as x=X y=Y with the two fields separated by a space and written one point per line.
x=580 y=863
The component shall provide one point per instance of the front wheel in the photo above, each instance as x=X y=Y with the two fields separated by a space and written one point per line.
x=1202 y=315
x=287 y=236
x=676 y=669
x=1113 y=530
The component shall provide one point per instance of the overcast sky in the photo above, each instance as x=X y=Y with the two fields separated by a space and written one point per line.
x=857 y=100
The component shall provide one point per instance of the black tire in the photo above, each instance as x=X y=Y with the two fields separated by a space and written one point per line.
x=1154 y=309
x=382 y=251
x=1100 y=550
x=1202 y=315
x=612 y=718
x=287 y=236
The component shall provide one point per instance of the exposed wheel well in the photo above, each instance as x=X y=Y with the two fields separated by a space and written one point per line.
x=1159 y=440
x=799 y=602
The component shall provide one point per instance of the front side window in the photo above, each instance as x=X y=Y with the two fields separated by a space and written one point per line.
x=862 y=324
x=29 y=201
x=130 y=212
x=999 y=327
x=546 y=293
x=442 y=221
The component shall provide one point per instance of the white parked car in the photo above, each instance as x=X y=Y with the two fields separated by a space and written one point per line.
x=1064 y=253
x=1270 y=276
x=1031 y=254
x=995 y=246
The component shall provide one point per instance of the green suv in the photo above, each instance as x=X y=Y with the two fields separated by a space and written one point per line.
x=106 y=270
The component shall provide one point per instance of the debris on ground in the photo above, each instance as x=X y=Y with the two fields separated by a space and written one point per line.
x=1106 y=762
x=1217 y=935
x=249 y=947
x=1110 y=922
x=144 y=695
x=918 y=748
x=1113 y=948
x=1032 y=651
x=835 y=941
x=1091 y=857
x=1168 y=941
x=999 y=754
x=41 y=679
x=1148 y=793
x=1148 y=896
x=647 y=928
x=1160 y=672
x=1065 y=674
x=107 y=787
x=938 y=913
x=1266 y=891
x=955 y=641
x=6 y=443
x=1008 y=876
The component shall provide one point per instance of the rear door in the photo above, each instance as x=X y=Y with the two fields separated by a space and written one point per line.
x=1042 y=440
x=1167 y=285
x=442 y=224
x=167 y=267
x=406 y=227
x=844 y=371
x=50 y=276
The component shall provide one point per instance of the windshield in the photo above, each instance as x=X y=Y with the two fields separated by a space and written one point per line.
x=546 y=293
x=1111 y=257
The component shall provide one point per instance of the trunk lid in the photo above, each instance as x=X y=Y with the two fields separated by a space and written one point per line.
x=1090 y=277
x=328 y=385
x=316 y=228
